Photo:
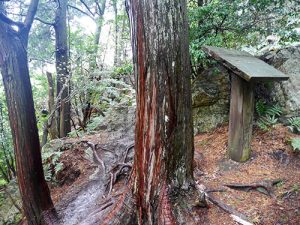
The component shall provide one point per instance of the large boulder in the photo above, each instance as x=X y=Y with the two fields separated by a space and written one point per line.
x=286 y=93
x=210 y=93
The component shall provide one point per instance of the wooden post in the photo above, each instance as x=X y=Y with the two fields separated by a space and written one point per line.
x=241 y=118
x=245 y=70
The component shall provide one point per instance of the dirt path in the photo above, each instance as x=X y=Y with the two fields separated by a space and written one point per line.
x=79 y=203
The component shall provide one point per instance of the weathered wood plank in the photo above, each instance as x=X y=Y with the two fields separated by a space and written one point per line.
x=240 y=118
x=245 y=65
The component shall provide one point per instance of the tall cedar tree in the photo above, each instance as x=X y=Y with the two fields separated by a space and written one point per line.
x=164 y=133
x=34 y=191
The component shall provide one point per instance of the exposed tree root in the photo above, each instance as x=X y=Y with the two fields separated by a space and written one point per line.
x=175 y=207
x=127 y=151
x=265 y=186
x=123 y=211
x=184 y=206
x=237 y=216
x=96 y=156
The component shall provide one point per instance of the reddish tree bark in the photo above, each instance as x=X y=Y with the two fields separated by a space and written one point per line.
x=35 y=194
x=164 y=133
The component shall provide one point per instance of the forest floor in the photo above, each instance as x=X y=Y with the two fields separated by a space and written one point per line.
x=272 y=158
x=83 y=190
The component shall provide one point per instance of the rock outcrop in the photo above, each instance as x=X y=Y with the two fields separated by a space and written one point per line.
x=211 y=90
x=286 y=93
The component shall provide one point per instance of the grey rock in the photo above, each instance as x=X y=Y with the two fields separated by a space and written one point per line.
x=9 y=214
x=210 y=93
x=287 y=93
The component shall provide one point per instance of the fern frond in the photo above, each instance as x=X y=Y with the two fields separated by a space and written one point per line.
x=275 y=110
x=260 y=107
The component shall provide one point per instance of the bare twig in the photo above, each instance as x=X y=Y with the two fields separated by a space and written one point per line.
x=87 y=7
x=83 y=12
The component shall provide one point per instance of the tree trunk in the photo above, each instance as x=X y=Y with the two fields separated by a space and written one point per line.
x=52 y=125
x=45 y=134
x=116 y=56
x=14 y=68
x=99 y=22
x=164 y=132
x=62 y=68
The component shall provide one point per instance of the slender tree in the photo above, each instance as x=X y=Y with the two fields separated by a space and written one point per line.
x=95 y=10
x=52 y=125
x=35 y=194
x=116 y=54
x=62 y=68
x=164 y=133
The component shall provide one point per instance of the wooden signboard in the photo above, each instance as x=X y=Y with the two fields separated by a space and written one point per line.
x=245 y=70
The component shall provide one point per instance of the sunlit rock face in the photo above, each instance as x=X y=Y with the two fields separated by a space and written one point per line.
x=210 y=92
x=286 y=93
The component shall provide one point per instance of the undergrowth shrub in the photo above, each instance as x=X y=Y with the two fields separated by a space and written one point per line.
x=268 y=115
x=294 y=124
x=295 y=143
x=51 y=164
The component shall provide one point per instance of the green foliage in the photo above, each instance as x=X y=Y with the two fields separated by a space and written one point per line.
x=239 y=23
x=95 y=123
x=7 y=160
x=267 y=121
x=295 y=143
x=104 y=93
x=268 y=114
x=40 y=95
x=263 y=109
x=122 y=71
x=51 y=163
x=294 y=124
x=2 y=182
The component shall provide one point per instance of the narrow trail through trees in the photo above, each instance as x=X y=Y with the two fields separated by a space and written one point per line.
x=90 y=201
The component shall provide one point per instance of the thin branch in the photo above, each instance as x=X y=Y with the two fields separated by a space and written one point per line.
x=43 y=21
x=101 y=8
x=83 y=12
x=9 y=21
x=88 y=8
x=30 y=14
x=40 y=60
x=98 y=7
